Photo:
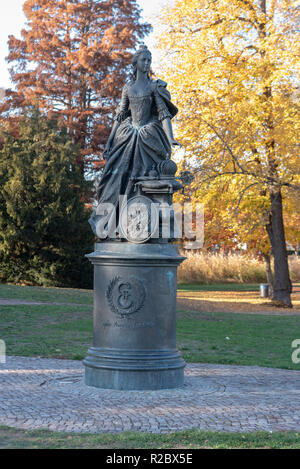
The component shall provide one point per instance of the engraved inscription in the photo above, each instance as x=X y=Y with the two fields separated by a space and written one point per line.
x=135 y=325
x=130 y=324
x=125 y=297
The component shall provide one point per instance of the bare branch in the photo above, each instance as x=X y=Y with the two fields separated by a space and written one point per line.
x=235 y=159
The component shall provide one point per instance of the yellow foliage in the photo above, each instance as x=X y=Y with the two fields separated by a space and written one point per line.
x=233 y=68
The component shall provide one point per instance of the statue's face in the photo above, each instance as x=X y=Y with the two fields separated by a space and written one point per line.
x=144 y=62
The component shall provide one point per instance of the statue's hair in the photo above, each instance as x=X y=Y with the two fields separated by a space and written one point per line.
x=142 y=48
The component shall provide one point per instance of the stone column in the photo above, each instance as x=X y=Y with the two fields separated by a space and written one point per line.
x=134 y=345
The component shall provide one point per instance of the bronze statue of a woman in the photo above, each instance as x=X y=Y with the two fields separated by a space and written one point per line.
x=140 y=139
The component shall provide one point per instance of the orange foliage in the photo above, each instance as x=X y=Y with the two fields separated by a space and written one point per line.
x=72 y=60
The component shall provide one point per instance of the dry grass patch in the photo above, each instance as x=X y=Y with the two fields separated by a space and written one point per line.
x=217 y=268
x=233 y=301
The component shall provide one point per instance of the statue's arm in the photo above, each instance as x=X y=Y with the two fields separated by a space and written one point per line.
x=121 y=114
x=168 y=128
x=165 y=116
x=110 y=140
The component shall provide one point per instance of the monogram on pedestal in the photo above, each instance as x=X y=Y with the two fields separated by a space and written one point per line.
x=125 y=296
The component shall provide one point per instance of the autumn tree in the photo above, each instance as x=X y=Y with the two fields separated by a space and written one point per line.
x=72 y=61
x=44 y=230
x=233 y=66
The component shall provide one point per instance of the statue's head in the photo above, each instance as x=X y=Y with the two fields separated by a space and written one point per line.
x=142 y=60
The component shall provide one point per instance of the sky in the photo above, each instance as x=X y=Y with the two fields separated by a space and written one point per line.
x=12 y=21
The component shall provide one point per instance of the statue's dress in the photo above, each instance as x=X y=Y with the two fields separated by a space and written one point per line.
x=139 y=143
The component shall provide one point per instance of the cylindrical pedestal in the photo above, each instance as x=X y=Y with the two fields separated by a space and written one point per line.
x=134 y=345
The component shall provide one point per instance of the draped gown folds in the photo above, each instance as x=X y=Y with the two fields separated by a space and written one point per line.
x=140 y=143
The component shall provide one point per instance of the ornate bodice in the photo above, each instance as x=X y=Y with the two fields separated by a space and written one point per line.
x=141 y=108
x=153 y=105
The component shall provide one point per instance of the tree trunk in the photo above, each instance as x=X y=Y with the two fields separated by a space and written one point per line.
x=269 y=273
x=275 y=229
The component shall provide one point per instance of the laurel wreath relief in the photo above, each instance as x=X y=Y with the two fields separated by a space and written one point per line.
x=125 y=296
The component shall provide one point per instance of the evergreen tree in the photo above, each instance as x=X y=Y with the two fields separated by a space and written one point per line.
x=44 y=230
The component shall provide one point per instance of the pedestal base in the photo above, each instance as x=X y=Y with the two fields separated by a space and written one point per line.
x=134 y=346
x=135 y=370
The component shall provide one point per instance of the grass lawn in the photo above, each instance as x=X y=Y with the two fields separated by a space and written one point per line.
x=58 y=295
x=237 y=339
x=46 y=331
x=65 y=331
x=191 y=439
x=68 y=295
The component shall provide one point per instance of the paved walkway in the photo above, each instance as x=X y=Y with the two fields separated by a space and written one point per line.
x=49 y=393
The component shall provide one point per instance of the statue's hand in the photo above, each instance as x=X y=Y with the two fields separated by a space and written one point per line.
x=175 y=144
